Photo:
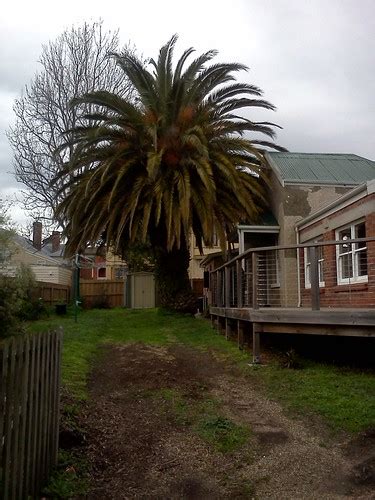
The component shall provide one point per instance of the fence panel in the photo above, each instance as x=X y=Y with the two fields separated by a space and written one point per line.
x=29 y=412
x=52 y=293
x=102 y=293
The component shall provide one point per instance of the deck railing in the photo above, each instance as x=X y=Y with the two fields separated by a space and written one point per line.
x=311 y=275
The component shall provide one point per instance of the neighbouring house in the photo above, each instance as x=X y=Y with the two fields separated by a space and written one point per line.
x=98 y=263
x=195 y=266
x=302 y=186
x=47 y=268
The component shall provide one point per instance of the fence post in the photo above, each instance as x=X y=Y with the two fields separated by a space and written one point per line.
x=314 y=279
x=239 y=283
x=254 y=261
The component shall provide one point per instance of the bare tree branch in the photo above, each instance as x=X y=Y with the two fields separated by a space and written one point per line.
x=74 y=64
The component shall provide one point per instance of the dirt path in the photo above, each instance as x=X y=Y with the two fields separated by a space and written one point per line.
x=145 y=435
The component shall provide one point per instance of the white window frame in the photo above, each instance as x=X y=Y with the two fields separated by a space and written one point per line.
x=354 y=251
x=307 y=265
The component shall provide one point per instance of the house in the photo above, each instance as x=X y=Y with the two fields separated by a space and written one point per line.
x=300 y=184
x=100 y=263
x=347 y=271
x=47 y=268
x=304 y=190
x=195 y=270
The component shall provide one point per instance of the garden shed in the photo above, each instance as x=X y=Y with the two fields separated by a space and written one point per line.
x=140 y=290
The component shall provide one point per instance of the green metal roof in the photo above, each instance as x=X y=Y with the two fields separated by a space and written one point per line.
x=317 y=168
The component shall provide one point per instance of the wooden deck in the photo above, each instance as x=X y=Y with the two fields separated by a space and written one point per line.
x=334 y=322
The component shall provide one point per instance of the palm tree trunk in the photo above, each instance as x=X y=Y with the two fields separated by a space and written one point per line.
x=172 y=281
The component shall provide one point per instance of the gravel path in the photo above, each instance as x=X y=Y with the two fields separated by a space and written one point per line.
x=138 y=449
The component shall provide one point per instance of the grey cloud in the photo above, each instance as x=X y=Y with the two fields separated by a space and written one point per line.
x=314 y=60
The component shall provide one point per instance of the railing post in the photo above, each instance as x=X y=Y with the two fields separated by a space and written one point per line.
x=254 y=261
x=218 y=296
x=227 y=286
x=314 y=279
x=239 y=283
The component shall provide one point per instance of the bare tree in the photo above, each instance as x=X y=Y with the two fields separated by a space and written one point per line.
x=75 y=63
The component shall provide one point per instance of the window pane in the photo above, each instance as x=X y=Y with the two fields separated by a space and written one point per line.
x=345 y=234
x=360 y=232
x=308 y=277
x=361 y=257
x=102 y=272
x=321 y=276
x=346 y=266
x=307 y=256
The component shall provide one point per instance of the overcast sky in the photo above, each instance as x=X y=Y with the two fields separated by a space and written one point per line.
x=314 y=59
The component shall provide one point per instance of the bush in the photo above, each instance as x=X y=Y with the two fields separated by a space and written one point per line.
x=18 y=302
x=9 y=306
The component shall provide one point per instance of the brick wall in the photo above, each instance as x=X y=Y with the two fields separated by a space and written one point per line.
x=332 y=294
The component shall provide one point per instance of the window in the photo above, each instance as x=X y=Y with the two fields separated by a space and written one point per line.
x=307 y=254
x=215 y=241
x=102 y=273
x=120 y=272
x=351 y=257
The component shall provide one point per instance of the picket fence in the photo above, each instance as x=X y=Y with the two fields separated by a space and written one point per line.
x=29 y=412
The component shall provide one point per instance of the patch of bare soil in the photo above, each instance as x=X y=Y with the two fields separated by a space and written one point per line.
x=138 y=449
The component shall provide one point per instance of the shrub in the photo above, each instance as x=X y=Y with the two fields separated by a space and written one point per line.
x=9 y=306
x=18 y=302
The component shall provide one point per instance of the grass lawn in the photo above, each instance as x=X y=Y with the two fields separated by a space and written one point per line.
x=344 y=398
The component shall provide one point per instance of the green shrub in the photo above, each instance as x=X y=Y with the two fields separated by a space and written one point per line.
x=30 y=307
x=9 y=306
x=18 y=302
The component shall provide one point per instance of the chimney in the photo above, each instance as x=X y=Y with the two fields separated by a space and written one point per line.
x=37 y=235
x=55 y=241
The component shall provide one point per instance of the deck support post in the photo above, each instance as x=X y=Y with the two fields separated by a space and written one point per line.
x=240 y=334
x=221 y=324
x=256 y=344
x=228 y=328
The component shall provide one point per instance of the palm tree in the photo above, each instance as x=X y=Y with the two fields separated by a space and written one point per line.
x=174 y=161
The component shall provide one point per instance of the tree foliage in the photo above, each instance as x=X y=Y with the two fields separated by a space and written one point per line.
x=72 y=65
x=175 y=160
x=6 y=234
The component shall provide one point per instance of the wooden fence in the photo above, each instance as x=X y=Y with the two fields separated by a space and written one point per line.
x=102 y=293
x=29 y=412
x=52 y=293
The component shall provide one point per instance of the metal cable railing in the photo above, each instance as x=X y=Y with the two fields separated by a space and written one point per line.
x=312 y=275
